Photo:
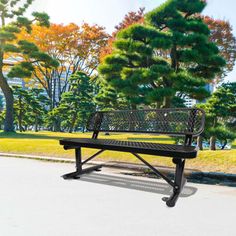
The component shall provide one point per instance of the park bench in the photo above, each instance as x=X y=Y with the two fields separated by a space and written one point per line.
x=183 y=122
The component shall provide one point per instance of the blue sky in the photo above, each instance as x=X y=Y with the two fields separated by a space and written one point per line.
x=109 y=13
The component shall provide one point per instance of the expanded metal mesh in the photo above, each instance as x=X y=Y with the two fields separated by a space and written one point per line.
x=180 y=121
x=130 y=144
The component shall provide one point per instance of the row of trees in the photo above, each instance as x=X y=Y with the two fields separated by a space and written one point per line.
x=32 y=110
x=32 y=107
x=155 y=59
x=45 y=56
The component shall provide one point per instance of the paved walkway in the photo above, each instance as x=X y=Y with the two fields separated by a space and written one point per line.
x=35 y=201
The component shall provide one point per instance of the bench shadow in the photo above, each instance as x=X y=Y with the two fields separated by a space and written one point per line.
x=144 y=185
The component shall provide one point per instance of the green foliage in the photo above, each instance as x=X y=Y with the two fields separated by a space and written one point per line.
x=9 y=9
x=1 y=103
x=42 y=18
x=171 y=53
x=222 y=103
x=12 y=22
x=32 y=55
x=21 y=70
x=165 y=15
x=11 y=48
x=76 y=105
x=23 y=22
x=222 y=133
x=30 y=107
x=2 y=115
x=221 y=113
x=107 y=98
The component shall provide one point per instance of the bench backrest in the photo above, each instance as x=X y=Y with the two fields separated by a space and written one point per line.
x=170 y=121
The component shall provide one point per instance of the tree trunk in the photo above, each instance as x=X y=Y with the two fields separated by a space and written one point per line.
x=166 y=102
x=8 y=94
x=54 y=102
x=73 y=123
x=83 y=128
x=133 y=106
x=131 y=118
x=56 y=126
x=223 y=146
x=213 y=143
x=20 y=114
x=199 y=142
x=36 y=124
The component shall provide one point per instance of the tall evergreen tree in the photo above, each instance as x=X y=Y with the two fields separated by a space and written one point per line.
x=107 y=98
x=170 y=54
x=13 y=11
x=30 y=107
x=38 y=107
x=77 y=104
x=21 y=106
x=221 y=115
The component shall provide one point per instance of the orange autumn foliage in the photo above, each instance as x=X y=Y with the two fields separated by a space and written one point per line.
x=75 y=47
x=222 y=35
x=69 y=43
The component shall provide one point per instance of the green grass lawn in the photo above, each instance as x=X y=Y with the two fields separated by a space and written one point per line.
x=46 y=144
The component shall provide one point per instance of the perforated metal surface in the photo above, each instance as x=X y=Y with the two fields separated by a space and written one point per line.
x=139 y=147
x=163 y=121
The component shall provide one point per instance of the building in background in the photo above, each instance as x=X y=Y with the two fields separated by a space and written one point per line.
x=189 y=102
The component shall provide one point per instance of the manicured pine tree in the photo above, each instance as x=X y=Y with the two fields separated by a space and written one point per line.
x=170 y=54
x=76 y=104
x=107 y=98
x=12 y=21
x=30 y=107
x=38 y=107
x=21 y=106
x=221 y=113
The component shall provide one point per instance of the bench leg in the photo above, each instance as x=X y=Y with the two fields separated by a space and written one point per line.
x=79 y=171
x=178 y=183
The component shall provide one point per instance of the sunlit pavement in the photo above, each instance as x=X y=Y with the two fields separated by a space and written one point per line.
x=36 y=201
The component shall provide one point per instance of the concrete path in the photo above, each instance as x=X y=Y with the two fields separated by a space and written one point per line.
x=36 y=201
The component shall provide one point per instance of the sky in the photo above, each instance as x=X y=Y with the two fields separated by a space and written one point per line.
x=109 y=13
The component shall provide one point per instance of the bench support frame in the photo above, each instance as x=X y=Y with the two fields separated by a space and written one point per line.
x=177 y=184
x=79 y=163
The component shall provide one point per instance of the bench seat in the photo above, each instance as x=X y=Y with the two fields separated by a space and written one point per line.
x=169 y=150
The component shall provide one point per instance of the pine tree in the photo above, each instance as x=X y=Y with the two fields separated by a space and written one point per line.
x=77 y=104
x=38 y=107
x=12 y=11
x=30 y=107
x=21 y=106
x=221 y=115
x=170 y=54
x=107 y=98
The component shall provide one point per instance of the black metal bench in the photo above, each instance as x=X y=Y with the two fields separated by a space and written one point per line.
x=183 y=122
